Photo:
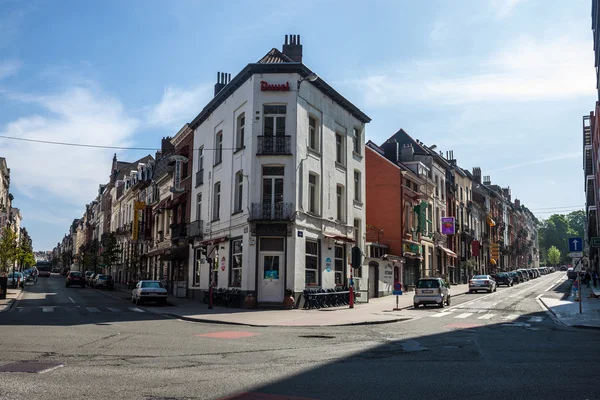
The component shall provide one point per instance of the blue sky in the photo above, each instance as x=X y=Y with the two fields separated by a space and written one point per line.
x=504 y=84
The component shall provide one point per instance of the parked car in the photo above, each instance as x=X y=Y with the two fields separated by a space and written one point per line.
x=515 y=277
x=88 y=277
x=15 y=280
x=149 y=291
x=75 y=278
x=563 y=267
x=571 y=274
x=520 y=275
x=103 y=281
x=482 y=282
x=525 y=273
x=431 y=291
x=503 y=278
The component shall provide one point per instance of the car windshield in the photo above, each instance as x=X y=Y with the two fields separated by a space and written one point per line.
x=428 y=284
x=102 y=277
x=152 y=285
x=480 y=277
x=75 y=274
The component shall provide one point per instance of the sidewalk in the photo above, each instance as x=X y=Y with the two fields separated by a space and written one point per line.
x=11 y=297
x=377 y=311
x=567 y=310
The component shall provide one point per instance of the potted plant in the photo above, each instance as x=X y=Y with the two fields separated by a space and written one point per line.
x=288 y=301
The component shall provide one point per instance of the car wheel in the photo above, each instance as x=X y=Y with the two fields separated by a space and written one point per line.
x=416 y=305
x=495 y=288
x=448 y=300
x=442 y=303
x=490 y=290
x=470 y=292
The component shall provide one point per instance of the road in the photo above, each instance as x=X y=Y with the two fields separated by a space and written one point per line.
x=494 y=346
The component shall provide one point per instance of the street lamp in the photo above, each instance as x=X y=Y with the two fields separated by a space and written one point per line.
x=311 y=77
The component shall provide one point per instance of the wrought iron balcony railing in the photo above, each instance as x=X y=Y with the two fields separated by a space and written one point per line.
x=271 y=211
x=274 y=145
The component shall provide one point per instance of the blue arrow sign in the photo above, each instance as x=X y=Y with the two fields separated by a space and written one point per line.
x=575 y=244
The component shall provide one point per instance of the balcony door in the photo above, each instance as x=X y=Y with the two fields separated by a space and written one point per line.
x=274 y=117
x=272 y=192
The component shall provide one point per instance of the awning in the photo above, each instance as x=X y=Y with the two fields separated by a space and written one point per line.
x=214 y=241
x=411 y=242
x=339 y=238
x=177 y=253
x=412 y=255
x=490 y=221
x=392 y=258
x=160 y=206
x=492 y=261
x=448 y=252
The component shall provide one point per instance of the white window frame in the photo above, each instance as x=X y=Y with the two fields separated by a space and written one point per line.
x=219 y=148
x=216 y=201
x=201 y=158
x=239 y=264
x=357 y=186
x=240 y=130
x=340 y=203
x=314 y=257
x=313 y=193
x=199 y=206
x=238 y=191
x=357 y=231
x=313 y=133
x=357 y=141
x=339 y=149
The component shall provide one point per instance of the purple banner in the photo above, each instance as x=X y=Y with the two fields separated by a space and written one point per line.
x=448 y=226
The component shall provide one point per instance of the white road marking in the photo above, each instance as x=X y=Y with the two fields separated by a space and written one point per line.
x=114 y=309
x=136 y=309
x=511 y=317
x=536 y=319
x=72 y=301
x=464 y=315
x=482 y=311
x=71 y=309
x=487 y=316
x=48 y=309
x=92 y=309
x=442 y=314
x=23 y=309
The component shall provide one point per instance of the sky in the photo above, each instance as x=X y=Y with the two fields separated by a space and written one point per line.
x=502 y=83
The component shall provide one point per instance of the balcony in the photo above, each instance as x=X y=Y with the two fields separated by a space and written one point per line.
x=178 y=231
x=274 y=145
x=200 y=177
x=271 y=212
x=195 y=229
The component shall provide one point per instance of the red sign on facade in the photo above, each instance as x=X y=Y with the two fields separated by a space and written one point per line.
x=274 y=87
x=475 y=248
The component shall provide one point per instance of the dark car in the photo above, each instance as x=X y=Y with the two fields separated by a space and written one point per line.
x=75 y=278
x=571 y=273
x=515 y=277
x=563 y=268
x=103 y=281
x=504 y=278
x=16 y=280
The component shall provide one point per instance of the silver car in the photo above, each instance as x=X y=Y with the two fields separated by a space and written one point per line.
x=482 y=282
x=149 y=291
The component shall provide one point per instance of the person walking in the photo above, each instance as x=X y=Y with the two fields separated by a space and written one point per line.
x=595 y=278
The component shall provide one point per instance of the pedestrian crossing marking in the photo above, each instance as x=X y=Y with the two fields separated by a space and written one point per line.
x=136 y=309
x=487 y=316
x=58 y=309
x=92 y=309
x=48 y=309
x=536 y=319
x=442 y=314
x=113 y=309
x=464 y=315
x=511 y=317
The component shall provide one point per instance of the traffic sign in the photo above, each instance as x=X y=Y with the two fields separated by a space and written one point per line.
x=595 y=242
x=575 y=244
x=576 y=254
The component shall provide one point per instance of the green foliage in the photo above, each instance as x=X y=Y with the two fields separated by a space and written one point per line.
x=553 y=255
x=556 y=230
x=110 y=249
x=8 y=249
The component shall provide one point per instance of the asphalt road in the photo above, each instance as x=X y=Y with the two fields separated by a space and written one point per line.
x=493 y=346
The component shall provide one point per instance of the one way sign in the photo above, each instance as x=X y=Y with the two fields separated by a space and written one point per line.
x=575 y=244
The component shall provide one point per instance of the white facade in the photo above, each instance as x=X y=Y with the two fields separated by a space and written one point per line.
x=262 y=212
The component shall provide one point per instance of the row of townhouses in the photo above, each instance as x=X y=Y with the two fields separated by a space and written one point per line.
x=10 y=216
x=273 y=183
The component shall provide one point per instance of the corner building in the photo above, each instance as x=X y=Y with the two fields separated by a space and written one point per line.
x=278 y=193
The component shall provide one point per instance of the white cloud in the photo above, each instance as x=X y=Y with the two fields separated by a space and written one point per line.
x=524 y=71
x=179 y=106
x=567 y=156
x=9 y=67
x=503 y=8
x=70 y=174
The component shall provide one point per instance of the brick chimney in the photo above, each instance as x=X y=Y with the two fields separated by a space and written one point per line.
x=477 y=174
x=222 y=80
x=293 y=48
x=506 y=193
x=517 y=203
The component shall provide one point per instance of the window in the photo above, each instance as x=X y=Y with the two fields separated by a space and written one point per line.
x=313 y=134
x=216 y=201
x=437 y=193
x=239 y=136
x=196 y=277
x=219 y=148
x=201 y=158
x=437 y=219
x=357 y=141
x=239 y=191
x=311 y=274
x=357 y=186
x=357 y=232
x=429 y=219
x=313 y=193
x=340 y=202
x=430 y=260
x=339 y=265
x=339 y=148
x=461 y=194
x=274 y=120
x=236 y=263
x=443 y=189
x=198 y=206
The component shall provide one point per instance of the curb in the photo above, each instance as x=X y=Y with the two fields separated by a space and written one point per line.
x=550 y=312
x=13 y=302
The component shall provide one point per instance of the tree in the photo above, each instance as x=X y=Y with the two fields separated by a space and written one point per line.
x=576 y=221
x=110 y=249
x=24 y=254
x=553 y=255
x=554 y=232
x=92 y=254
x=8 y=249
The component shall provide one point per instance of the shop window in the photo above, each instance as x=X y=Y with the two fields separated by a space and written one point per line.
x=236 y=263
x=311 y=274
x=340 y=270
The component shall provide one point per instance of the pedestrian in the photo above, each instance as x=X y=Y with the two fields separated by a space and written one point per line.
x=588 y=278
x=595 y=278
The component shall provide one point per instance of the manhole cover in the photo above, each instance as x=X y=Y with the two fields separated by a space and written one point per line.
x=317 y=336
x=30 y=367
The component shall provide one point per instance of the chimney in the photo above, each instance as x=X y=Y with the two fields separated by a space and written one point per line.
x=477 y=174
x=506 y=192
x=517 y=203
x=407 y=152
x=222 y=80
x=487 y=180
x=293 y=48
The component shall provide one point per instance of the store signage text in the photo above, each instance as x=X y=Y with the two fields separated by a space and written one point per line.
x=277 y=87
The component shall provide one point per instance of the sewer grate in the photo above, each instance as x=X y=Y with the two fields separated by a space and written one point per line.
x=30 y=367
x=317 y=336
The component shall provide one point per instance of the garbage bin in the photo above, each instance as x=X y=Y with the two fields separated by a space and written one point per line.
x=3 y=287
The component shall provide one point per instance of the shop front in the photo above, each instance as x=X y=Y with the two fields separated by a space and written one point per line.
x=413 y=253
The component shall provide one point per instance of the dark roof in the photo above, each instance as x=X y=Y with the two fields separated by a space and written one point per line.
x=269 y=65
x=275 y=57
x=403 y=137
